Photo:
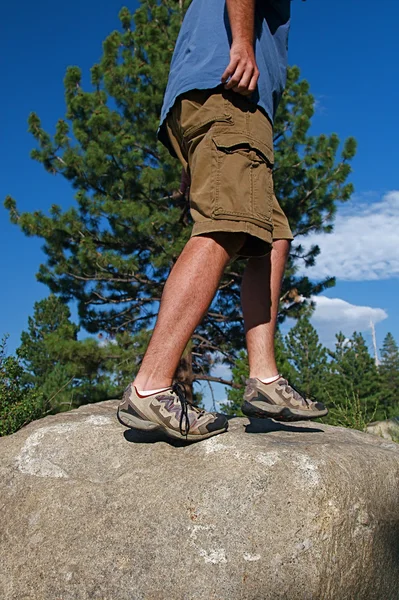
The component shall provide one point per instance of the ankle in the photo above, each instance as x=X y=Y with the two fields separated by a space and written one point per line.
x=271 y=379
x=146 y=393
x=143 y=385
x=266 y=377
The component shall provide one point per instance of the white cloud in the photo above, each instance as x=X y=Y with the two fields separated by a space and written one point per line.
x=364 y=245
x=221 y=370
x=342 y=313
x=332 y=315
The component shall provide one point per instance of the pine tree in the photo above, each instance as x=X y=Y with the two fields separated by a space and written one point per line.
x=113 y=250
x=389 y=371
x=51 y=317
x=309 y=358
x=64 y=371
x=353 y=385
x=18 y=403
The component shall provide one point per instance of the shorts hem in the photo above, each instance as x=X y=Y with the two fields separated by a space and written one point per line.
x=282 y=234
x=258 y=244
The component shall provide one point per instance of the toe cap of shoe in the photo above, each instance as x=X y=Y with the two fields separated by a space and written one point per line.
x=220 y=422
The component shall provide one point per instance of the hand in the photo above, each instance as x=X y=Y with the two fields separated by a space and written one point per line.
x=242 y=69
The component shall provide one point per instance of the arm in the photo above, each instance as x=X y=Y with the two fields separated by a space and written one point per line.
x=242 y=69
x=242 y=16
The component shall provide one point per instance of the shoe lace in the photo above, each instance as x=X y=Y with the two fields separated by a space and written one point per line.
x=296 y=392
x=179 y=390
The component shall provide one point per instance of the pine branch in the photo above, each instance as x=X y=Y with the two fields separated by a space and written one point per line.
x=218 y=380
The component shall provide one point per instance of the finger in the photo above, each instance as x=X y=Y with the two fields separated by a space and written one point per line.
x=231 y=67
x=242 y=86
x=235 y=78
x=253 y=82
x=241 y=91
x=246 y=88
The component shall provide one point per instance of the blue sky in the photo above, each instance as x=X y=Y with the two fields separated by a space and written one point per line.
x=346 y=49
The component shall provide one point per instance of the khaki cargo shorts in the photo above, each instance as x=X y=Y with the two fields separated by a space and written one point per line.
x=225 y=143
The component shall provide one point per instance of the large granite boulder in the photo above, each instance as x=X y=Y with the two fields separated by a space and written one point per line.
x=389 y=429
x=301 y=511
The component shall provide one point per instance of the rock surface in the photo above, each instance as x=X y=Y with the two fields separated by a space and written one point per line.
x=301 y=511
x=389 y=429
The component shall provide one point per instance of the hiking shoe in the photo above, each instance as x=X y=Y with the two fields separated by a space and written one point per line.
x=170 y=412
x=279 y=400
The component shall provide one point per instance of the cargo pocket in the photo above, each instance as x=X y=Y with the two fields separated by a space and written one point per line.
x=200 y=110
x=242 y=179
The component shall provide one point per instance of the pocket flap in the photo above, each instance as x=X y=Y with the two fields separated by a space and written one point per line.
x=234 y=139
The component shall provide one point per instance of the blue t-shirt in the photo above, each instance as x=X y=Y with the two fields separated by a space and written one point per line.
x=202 y=53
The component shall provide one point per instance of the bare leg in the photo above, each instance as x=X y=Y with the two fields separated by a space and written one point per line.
x=260 y=293
x=187 y=294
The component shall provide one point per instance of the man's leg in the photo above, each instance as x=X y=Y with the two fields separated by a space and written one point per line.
x=260 y=294
x=187 y=294
x=267 y=394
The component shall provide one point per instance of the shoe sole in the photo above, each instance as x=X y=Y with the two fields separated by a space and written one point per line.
x=133 y=422
x=283 y=413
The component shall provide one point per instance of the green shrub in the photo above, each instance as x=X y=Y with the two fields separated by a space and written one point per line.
x=351 y=412
x=19 y=404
